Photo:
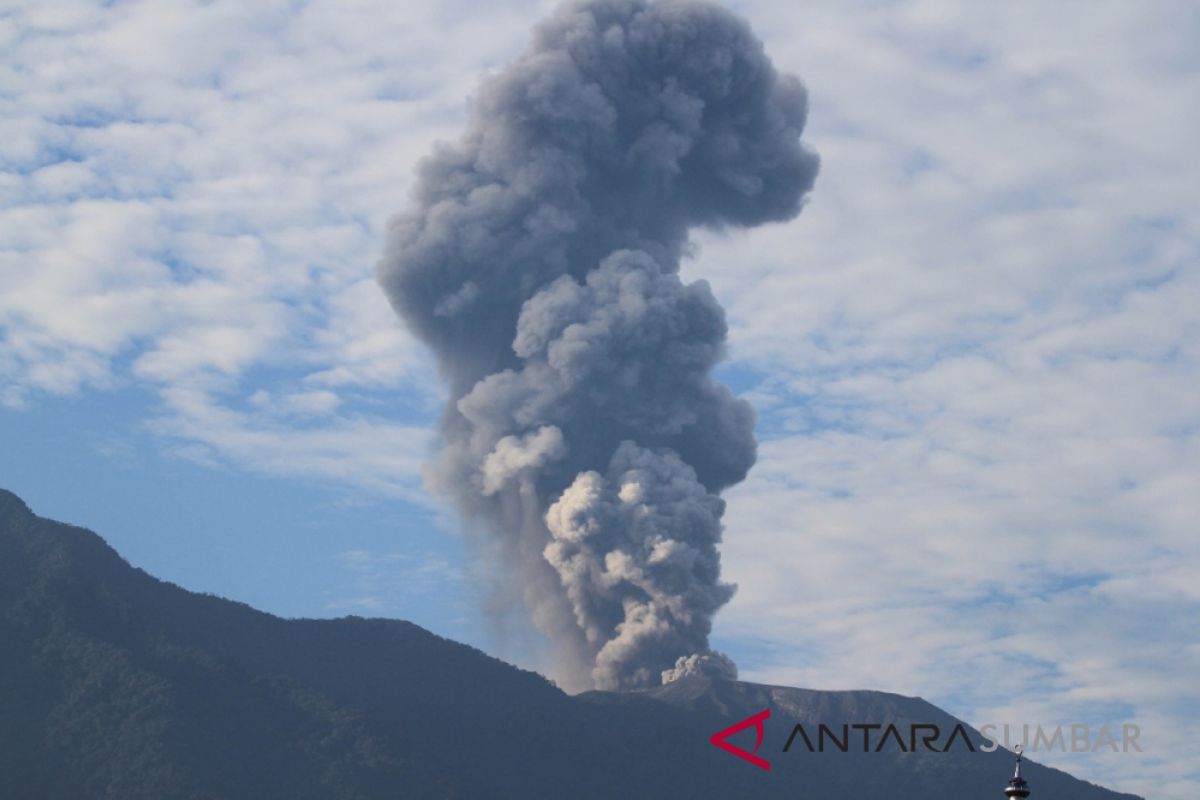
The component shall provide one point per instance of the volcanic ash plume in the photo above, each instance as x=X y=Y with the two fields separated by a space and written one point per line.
x=585 y=438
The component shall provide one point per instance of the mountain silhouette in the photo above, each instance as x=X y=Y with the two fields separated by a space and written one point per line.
x=116 y=685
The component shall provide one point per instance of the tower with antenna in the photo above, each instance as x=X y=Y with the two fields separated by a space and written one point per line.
x=1017 y=787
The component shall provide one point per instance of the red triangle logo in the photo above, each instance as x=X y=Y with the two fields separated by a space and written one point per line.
x=719 y=739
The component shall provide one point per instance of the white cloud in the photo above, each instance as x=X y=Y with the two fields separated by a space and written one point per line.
x=373 y=453
x=195 y=195
x=979 y=357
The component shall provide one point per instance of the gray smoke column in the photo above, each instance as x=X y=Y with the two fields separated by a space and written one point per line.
x=585 y=437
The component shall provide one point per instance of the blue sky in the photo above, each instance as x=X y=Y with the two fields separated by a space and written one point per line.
x=975 y=355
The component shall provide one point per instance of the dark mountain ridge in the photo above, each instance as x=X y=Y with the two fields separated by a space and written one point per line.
x=114 y=684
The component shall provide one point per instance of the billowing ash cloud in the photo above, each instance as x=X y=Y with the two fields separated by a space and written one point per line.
x=584 y=434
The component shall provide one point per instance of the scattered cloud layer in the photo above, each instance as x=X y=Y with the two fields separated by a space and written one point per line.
x=976 y=359
x=192 y=200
